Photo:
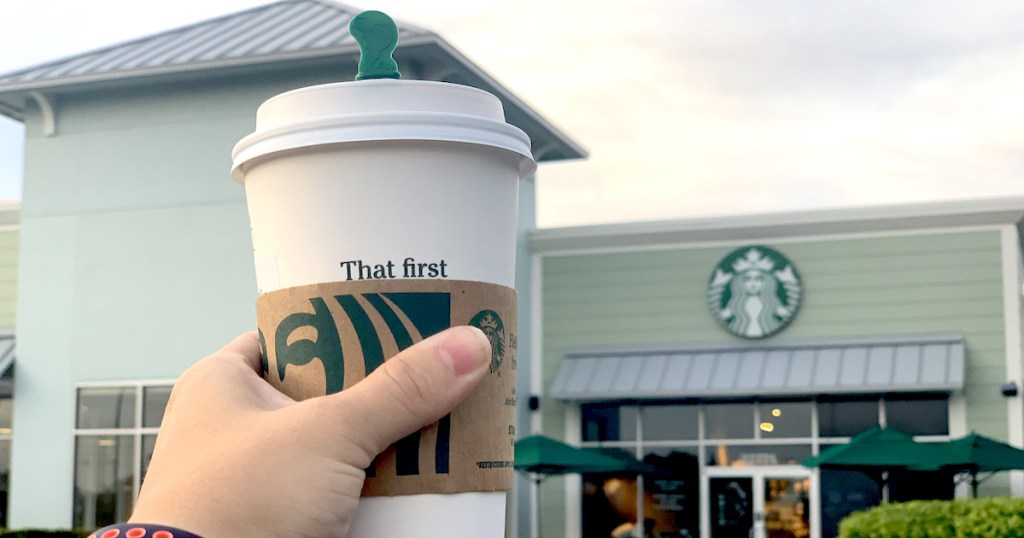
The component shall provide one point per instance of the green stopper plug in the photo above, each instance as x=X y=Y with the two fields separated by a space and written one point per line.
x=377 y=36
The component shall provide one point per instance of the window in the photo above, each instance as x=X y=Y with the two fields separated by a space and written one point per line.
x=784 y=419
x=757 y=454
x=846 y=418
x=681 y=436
x=921 y=415
x=671 y=422
x=115 y=432
x=604 y=422
x=6 y=429
x=729 y=421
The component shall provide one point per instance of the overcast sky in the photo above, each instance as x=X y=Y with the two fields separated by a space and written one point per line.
x=691 y=108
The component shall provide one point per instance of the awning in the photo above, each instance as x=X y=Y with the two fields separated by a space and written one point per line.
x=916 y=363
x=7 y=356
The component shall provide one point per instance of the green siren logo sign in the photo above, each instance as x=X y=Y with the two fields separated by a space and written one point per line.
x=490 y=323
x=754 y=292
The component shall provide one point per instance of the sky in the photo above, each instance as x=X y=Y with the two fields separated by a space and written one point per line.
x=690 y=108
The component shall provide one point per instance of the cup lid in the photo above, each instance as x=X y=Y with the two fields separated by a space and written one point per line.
x=377 y=110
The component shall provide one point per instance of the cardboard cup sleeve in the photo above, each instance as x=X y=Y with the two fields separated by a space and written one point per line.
x=324 y=338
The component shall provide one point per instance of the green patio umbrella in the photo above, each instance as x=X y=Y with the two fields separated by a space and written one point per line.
x=630 y=465
x=876 y=448
x=973 y=454
x=543 y=456
x=876 y=452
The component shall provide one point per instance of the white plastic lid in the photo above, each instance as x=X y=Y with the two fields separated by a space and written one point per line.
x=380 y=109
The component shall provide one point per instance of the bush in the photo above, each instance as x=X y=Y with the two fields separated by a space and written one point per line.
x=975 y=518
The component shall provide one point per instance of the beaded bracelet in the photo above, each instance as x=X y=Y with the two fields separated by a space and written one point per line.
x=141 y=530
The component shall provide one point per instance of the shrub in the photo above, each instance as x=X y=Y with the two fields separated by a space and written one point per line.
x=998 y=517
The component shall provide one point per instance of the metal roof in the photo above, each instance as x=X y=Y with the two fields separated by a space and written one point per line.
x=285 y=27
x=943 y=215
x=923 y=363
x=284 y=35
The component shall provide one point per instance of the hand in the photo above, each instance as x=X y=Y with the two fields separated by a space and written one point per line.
x=237 y=458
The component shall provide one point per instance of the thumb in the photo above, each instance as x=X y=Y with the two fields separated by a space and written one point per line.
x=411 y=390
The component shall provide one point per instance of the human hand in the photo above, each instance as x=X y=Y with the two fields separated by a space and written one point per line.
x=237 y=458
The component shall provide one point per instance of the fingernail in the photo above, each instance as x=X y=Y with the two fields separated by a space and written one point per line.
x=465 y=350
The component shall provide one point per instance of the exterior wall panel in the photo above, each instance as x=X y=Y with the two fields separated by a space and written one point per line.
x=9 y=243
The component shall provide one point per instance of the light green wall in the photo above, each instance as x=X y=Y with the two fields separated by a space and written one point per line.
x=950 y=282
x=9 y=240
x=135 y=262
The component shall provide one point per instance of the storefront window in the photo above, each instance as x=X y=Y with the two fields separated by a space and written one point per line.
x=671 y=422
x=756 y=455
x=760 y=442
x=148 y=444
x=154 y=400
x=599 y=516
x=846 y=418
x=842 y=493
x=106 y=407
x=729 y=421
x=918 y=416
x=671 y=505
x=6 y=430
x=608 y=422
x=104 y=479
x=672 y=501
x=920 y=486
x=785 y=419
x=114 y=438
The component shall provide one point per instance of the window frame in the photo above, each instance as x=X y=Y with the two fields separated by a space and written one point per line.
x=136 y=432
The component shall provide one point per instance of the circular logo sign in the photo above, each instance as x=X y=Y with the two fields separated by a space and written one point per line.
x=754 y=292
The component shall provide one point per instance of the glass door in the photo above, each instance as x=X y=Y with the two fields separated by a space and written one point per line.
x=731 y=501
x=786 y=506
x=759 y=502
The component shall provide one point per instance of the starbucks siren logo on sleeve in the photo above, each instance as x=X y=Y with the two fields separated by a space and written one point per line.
x=754 y=292
x=490 y=323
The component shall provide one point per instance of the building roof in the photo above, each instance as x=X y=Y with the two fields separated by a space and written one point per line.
x=1006 y=210
x=913 y=363
x=286 y=28
x=281 y=34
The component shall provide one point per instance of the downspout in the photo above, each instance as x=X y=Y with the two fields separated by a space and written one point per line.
x=46 y=107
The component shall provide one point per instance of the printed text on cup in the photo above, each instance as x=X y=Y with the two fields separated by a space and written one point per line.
x=409 y=268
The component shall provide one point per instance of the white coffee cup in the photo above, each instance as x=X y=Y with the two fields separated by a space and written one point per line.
x=394 y=179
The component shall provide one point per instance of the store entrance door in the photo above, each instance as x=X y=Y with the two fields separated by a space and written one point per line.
x=758 y=502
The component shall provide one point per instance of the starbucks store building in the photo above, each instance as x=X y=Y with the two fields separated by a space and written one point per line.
x=726 y=351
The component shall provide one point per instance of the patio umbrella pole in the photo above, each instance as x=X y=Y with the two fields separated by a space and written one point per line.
x=975 y=481
x=538 y=478
x=885 y=487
